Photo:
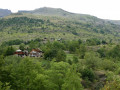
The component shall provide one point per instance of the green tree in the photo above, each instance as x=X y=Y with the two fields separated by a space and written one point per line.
x=88 y=74
x=102 y=52
x=113 y=82
x=23 y=74
x=108 y=65
x=9 y=51
x=80 y=41
x=58 y=70
x=73 y=45
x=61 y=56
x=114 y=53
x=22 y=46
x=58 y=45
x=75 y=59
x=4 y=75
x=50 y=53
x=33 y=45
x=81 y=51
x=92 y=60
x=7 y=87
x=93 y=41
x=69 y=61
x=72 y=80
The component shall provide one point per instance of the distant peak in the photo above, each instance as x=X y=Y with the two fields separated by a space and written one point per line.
x=4 y=12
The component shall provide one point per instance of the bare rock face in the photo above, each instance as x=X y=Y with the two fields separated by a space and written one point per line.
x=4 y=12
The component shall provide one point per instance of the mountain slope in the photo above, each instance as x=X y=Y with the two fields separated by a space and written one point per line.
x=115 y=21
x=46 y=11
x=29 y=27
x=4 y=12
x=52 y=23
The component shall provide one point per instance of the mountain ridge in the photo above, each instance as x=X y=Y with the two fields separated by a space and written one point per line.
x=52 y=11
x=4 y=12
x=48 y=11
x=30 y=25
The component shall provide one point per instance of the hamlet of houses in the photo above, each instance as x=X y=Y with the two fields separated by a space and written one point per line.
x=32 y=53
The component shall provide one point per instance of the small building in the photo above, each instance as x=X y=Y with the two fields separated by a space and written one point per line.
x=36 y=53
x=19 y=53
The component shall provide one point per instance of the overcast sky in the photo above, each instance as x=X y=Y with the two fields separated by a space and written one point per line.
x=105 y=9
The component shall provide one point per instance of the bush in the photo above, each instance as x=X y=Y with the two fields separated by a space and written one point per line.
x=115 y=52
x=69 y=61
x=61 y=56
x=9 y=51
x=92 y=60
x=75 y=59
x=108 y=65
x=102 y=52
x=88 y=74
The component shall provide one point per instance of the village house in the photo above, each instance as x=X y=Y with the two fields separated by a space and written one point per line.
x=36 y=53
x=33 y=53
x=19 y=53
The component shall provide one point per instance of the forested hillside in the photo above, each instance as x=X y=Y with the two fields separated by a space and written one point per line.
x=30 y=26
x=52 y=49
x=65 y=65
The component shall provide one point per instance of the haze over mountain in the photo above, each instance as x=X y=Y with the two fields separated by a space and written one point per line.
x=5 y=12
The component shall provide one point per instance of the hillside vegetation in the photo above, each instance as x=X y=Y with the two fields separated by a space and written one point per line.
x=65 y=65
x=51 y=23
x=71 y=51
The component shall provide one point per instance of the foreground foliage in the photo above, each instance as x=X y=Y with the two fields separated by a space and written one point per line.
x=66 y=65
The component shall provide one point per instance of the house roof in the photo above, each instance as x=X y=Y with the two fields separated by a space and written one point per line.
x=18 y=50
x=35 y=50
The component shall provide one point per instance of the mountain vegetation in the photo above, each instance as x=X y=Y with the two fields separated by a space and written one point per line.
x=80 y=52
x=52 y=23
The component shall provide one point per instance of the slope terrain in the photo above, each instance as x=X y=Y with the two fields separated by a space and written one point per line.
x=56 y=23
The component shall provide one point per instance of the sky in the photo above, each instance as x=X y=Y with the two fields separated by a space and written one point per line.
x=105 y=9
